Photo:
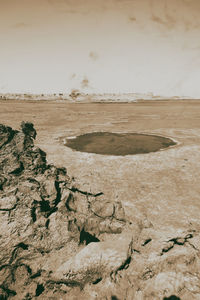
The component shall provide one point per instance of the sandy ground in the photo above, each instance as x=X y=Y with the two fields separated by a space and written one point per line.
x=164 y=186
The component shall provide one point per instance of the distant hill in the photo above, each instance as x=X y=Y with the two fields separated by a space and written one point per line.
x=82 y=97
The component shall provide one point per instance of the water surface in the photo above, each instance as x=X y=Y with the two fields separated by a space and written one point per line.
x=109 y=143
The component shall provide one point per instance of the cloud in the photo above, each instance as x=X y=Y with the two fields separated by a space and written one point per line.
x=85 y=83
x=132 y=19
x=21 y=25
x=70 y=6
x=184 y=16
x=168 y=23
x=73 y=76
x=158 y=20
x=93 y=55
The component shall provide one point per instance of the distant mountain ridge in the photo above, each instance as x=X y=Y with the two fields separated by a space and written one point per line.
x=83 y=97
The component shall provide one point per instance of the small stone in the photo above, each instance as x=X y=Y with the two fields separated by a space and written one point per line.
x=119 y=212
x=77 y=202
x=7 y=203
x=93 y=225
x=195 y=241
x=180 y=241
x=104 y=226
x=116 y=227
x=49 y=191
x=103 y=209
x=167 y=247
x=65 y=194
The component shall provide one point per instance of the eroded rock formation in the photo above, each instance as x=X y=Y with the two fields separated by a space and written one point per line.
x=42 y=212
x=59 y=242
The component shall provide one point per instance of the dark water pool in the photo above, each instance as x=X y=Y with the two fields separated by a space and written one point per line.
x=109 y=143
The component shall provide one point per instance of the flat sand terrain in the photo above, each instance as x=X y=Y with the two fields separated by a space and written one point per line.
x=164 y=186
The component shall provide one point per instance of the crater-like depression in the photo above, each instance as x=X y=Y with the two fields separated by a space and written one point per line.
x=109 y=143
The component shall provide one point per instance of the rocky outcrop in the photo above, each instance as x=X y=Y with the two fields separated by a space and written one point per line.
x=60 y=242
x=43 y=214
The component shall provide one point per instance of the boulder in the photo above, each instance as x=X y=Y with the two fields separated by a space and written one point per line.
x=95 y=261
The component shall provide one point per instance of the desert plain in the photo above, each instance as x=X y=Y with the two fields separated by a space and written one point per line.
x=160 y=188
x=164 y=185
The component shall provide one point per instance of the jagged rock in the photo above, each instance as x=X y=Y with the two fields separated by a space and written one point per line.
x=92 y=225
x=95 y=261
x=119 y=213
x=6 y=134
x=3 y=294
x=77 y=202
x=102 y=208
x=58 y=230
x=49 y=191
x=56 y=239
x=166 y=284
x=11 y=165
x=28 y=129
x=2 y=182
x=45 y=218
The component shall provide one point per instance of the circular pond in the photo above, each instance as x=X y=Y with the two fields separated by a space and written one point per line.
x=118 y=143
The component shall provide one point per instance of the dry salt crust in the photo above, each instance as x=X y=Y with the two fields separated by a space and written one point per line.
x=162 y=187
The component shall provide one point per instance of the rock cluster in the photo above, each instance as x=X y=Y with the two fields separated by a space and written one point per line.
x=59 y=242
x=42 y=212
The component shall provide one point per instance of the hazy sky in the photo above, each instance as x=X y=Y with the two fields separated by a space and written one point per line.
x=100 y=46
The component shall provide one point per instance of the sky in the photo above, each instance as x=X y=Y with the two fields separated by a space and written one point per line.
x=100 y=46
